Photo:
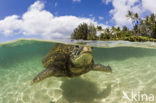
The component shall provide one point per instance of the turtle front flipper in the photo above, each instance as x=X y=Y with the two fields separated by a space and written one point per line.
x=100 y=67
x=47 y=73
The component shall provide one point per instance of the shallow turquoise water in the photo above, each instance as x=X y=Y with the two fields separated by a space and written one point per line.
x=134 y=70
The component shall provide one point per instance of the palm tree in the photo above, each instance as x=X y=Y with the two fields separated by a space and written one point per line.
x=152 y=17
x=125 y=32
x=148 y=26
x=142 y=28
x=106 y=35
x=118 y=32
x=113 y=30
x=99 y=28
x=125 y=28
x=133 y=17
x=136 y=17
x=130 y=15
x=136 y=24
x=135 y=21
x=153 y=25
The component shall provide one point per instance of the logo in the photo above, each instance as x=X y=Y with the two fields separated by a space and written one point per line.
x=138 y=97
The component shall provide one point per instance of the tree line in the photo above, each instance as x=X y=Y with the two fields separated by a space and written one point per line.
x=144 y=29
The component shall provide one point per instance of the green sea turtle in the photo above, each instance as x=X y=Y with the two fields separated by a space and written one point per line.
x=68 y=61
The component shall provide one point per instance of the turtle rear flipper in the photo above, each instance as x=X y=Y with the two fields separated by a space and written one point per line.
x=47 y=73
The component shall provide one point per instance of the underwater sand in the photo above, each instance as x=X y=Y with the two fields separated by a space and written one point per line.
x=133 y=69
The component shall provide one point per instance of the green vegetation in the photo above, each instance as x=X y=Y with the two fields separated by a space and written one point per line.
x=143 y=30
x=85 y=32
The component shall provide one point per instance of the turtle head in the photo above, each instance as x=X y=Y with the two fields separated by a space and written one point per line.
x=81 y=56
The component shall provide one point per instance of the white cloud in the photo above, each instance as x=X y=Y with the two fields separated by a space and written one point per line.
x=149 y=5
x=120 y=10
x=37 y=6
x=10 y=25
x=121 y=7
x=39 y=22
x=76 y=0
x=106 y=1
x=100 y=18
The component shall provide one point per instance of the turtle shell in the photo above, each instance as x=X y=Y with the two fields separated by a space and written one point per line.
x=58 y=56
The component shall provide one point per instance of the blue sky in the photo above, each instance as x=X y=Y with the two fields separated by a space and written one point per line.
x=82 y=8
x=50 y=19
